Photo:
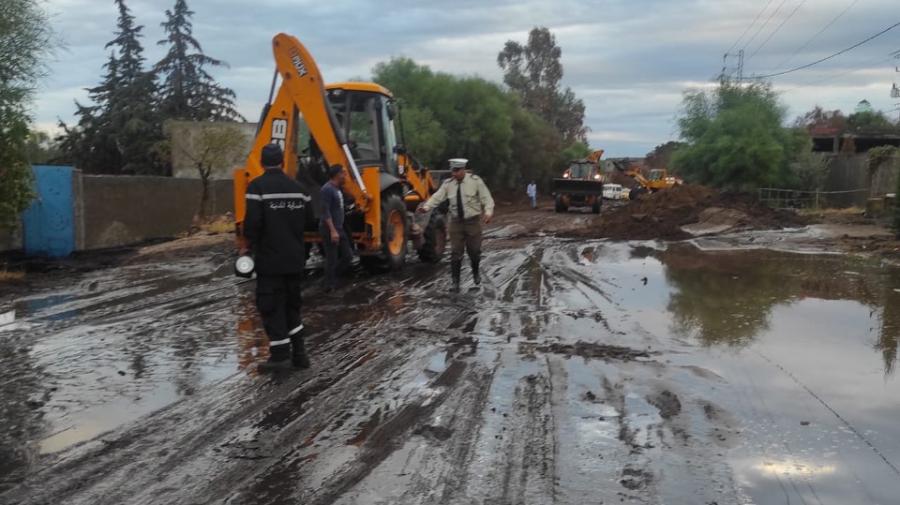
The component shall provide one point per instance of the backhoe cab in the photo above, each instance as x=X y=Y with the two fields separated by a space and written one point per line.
x=351 y=124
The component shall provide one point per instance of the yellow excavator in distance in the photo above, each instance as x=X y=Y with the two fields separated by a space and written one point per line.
x=658 y=179
x=350 y=124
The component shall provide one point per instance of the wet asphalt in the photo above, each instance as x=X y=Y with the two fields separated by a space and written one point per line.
x=581 y=372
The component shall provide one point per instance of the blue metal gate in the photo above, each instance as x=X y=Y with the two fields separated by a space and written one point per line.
x=49 y=223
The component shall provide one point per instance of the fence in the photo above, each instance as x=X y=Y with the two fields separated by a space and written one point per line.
x=77 y=212
x=794 y=199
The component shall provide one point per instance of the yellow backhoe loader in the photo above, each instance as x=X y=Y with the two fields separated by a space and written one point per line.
x=349 y=124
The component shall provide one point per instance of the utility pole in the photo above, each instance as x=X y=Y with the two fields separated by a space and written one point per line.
x=895 y=91
x=739 y=69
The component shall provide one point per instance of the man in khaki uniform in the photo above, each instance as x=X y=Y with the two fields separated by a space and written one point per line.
x=470 y=206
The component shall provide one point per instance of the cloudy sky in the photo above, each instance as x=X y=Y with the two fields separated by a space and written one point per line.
x=630 y=60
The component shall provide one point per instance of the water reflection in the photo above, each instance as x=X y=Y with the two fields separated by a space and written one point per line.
x=727 y=298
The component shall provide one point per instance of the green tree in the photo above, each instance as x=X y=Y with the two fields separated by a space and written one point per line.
x=735 y=138
x=91 y=145
x=41 y=148
x=25 y=39
x=445 y=116
x=423 y=135
x=536 y=148
x=869 y=121
x=810 y=169
x=188 y=90
x=661 y=155
x=534 y=72
x=121 y=131
x=575 y=151
x=821 y=118
x=210 y=147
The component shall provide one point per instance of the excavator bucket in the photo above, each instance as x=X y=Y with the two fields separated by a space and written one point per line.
x=577 y=187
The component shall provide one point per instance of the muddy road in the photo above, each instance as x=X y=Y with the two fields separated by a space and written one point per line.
x=584 y=371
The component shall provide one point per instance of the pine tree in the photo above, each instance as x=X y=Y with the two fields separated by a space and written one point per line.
x=121 y=131
x=132 y=107
x=188 y=90
x=91 y=144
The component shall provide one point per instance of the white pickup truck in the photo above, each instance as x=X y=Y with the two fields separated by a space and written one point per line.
x=614 y=192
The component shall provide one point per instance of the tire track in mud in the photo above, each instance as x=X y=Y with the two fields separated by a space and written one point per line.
x=635 y=471
x=416 y=398
x=126 y=444
x=380 y=443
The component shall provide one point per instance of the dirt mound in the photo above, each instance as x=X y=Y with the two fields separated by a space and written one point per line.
x=662 y=215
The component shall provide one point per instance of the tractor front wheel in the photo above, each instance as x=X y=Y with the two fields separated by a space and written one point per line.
x=561 y=204
x=394 y=237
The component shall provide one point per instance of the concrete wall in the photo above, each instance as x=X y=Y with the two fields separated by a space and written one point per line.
x=847 y=173
x=123 y=210
x=102 y=211
x=851 y=172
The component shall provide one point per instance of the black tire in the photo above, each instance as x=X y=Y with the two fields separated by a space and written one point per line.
x=596 y=207
x=636 y=193
x=435 y=236
x=560 y=204
x=390 y=258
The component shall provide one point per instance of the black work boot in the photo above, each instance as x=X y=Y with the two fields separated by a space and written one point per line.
x=279 y=359
x=456 y=271
x=298 y=352
x=476 y=274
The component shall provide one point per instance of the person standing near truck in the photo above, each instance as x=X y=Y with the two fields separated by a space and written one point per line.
x=338 y=253
x=276 y=211
x=471 y=206
x=531 y=190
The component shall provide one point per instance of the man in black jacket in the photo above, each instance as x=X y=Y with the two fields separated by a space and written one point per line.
x=274 y=225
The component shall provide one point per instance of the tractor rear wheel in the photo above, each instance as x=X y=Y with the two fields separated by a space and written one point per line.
x=596 y=207
x=435 y=236
x=394 y=237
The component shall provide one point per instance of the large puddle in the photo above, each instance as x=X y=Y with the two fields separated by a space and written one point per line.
x=809 y=345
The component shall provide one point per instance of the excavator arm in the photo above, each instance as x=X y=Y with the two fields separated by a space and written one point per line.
x=595 y=156
x=302 y=91
x=386 y=185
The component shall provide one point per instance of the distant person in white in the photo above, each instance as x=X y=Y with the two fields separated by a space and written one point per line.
x=532 y=193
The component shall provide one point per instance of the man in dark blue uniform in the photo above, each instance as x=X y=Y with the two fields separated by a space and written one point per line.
x=274 y=226
x=338 y=253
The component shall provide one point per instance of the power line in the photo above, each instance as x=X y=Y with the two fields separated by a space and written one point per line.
x=842 y=51
x=777 y=29
x=814 y=37
x=758 y=15
x=762 y=26
x=871 y=62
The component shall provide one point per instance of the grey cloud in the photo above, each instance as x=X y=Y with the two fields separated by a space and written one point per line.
x=629 y=58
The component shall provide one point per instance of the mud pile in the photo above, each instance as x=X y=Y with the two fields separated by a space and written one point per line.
x=686 y=211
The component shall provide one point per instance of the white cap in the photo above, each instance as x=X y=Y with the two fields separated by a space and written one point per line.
x=457 y=163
